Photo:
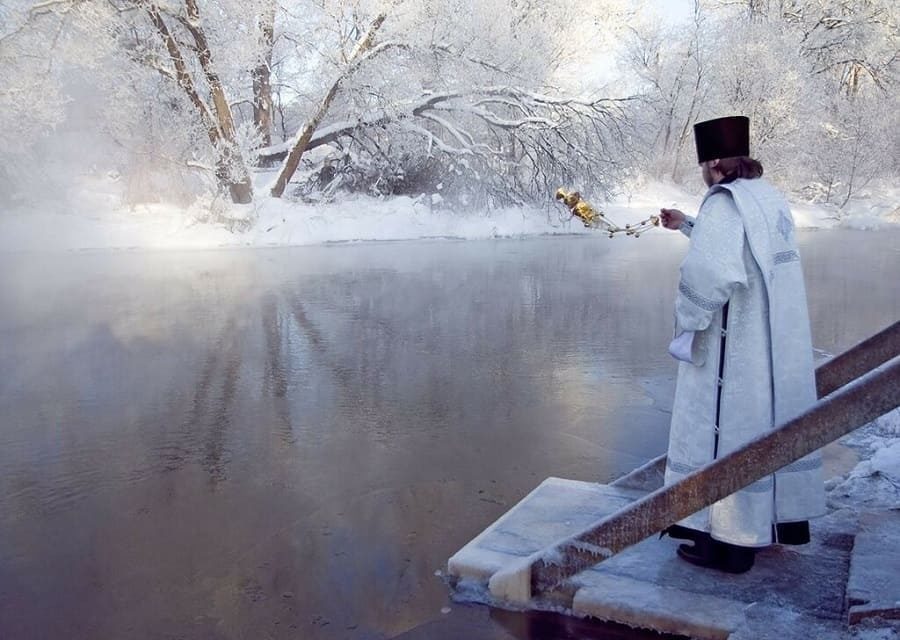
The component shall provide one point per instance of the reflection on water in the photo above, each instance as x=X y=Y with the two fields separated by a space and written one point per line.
x=289 y=443
x=498 y=624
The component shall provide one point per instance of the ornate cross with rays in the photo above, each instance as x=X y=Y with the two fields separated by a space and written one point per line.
x=596 y=220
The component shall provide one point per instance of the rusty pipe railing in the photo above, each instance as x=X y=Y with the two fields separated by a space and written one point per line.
x=859 y=359
x=830 y=376
x=849 y=407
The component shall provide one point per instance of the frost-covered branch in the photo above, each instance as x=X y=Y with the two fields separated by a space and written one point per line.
x=182 y=75
x=435 y=140
x=306 y=132
x=51 y=6
x=450 y=50
x=505 y=130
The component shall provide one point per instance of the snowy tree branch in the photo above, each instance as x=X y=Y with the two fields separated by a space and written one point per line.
x=182 y=75
x=305 y=134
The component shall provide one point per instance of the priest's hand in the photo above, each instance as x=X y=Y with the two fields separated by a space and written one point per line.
x=671 y=218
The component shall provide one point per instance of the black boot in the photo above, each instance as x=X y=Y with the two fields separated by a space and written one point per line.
x=681 y=533
x=736 y=559
x=702 y=553
x=712 y=554
x=791 y=532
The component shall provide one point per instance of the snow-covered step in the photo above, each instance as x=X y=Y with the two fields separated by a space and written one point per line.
x=555 y=509
x=648 y=586
x=658 y=607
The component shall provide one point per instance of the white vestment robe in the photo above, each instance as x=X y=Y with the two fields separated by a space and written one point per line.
x=754 y=374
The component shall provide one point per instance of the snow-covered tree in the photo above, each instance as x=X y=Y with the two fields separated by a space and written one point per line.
x=263 y=105
x=816 y=79
x=485 y=102
x=855 y=42
x=200 y=49
x=673 y=68
x=852 y=145
x=30 y=96
x=187 y=46
x=408 y=95
x=429 y=95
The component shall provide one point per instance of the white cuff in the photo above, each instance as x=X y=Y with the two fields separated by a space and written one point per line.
x=681 y=347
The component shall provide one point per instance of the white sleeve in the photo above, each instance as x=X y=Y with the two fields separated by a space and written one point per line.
x=687 y=226
x=714 y=265
x=681 y=347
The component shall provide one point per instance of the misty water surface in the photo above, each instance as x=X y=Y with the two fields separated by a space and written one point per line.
x=288 y=443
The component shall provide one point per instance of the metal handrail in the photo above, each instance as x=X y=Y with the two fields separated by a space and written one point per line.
x=858 y=360
x=849 y=407
x=830 y=376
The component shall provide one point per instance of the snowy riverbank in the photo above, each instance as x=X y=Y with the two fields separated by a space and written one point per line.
x=94 y=218
x=874 y=483
x=871 y=486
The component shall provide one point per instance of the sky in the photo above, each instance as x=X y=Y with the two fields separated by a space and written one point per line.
x=601 y=67
x=674 y=11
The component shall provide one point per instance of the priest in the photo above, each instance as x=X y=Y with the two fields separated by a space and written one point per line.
x=742 y=336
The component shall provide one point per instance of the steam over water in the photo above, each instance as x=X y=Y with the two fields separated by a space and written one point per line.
x=289 y=443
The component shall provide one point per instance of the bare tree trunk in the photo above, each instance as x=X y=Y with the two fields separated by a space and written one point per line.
x=299 y=148
x=696 y=54
x=231 y=168
x=854 y=165
x=262 y=75
x=182 y=75
x=231 y=173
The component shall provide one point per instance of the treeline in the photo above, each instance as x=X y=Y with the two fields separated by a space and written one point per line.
x=472 y=100
x=818 y=79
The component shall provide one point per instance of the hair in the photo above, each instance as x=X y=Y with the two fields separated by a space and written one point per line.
x=739 y=167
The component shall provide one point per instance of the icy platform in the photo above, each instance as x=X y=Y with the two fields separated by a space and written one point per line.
x=648 y=586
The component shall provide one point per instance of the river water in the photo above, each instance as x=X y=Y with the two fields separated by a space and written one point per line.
x=289 y=443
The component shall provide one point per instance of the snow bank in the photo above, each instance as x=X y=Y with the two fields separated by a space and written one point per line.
x=93 y=217
x=875 y=207
x=268 y=222
x=875 y=481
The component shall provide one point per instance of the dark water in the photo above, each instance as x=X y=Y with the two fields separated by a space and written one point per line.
x=289 y=443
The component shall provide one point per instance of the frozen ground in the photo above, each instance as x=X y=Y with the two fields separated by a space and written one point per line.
x=93 y=217
x=875 y=482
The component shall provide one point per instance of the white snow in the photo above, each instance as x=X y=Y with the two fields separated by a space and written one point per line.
x=875 y=481
x=93 y=217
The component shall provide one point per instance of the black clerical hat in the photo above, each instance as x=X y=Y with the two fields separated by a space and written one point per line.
x=722 y=138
